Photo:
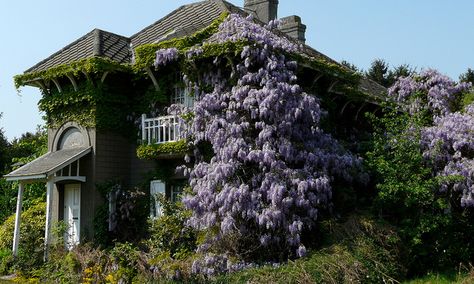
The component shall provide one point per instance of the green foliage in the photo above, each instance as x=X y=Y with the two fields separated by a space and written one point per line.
x=153 y=151
x=4 y=150
x=351 y=66
x=31 y=236
x=169 y=233
x=125 y=258
x=99 y=105
x=381 y=73
x=145 y=54
x=358 y=250
x=467 y=99
x=21 y=151
x=6 y=261
x=468 y=76
x=433 y=226
x=79 y=106
x=130 y=214
x=91 y=65
x=29 y=146
x=378 y=72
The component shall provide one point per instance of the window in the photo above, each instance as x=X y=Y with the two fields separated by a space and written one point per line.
x=176 y=191
x=181 y=93
x=156 y=187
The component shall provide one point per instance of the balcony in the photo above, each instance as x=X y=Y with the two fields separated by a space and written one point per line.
x=162 y=129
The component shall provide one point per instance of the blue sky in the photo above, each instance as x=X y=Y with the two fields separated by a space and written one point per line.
x=423 y=33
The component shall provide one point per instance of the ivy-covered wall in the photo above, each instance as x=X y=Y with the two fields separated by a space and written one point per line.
x=127 y=92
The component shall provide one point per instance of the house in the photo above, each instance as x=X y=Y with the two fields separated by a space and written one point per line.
x=95 y=87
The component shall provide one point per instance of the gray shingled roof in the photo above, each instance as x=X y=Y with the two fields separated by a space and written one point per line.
x=184 y=21
x=48 y=164
x=95 y=43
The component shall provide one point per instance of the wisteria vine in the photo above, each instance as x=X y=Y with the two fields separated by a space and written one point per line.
x=273 y=166
x=448 y=140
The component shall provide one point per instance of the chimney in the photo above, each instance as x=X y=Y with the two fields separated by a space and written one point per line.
x=264 y=10
x=293 y=27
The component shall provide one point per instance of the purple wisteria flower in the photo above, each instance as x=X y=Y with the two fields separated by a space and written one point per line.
x=273 y=166
x=165 y=56
x=449 y=142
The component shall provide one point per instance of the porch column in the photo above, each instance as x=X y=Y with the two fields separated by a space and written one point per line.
x=16 y=233
x=47 y=230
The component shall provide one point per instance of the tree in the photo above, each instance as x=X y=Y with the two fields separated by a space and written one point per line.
x=378 y=72
x=4 y=151
x=467 y=77
x=350 y=66
x=22 y=150
x=422 y=160
x=403 y=70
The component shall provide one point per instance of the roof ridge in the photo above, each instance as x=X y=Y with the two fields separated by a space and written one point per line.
x=111 y=33
x=182 y=7
x=160 y=20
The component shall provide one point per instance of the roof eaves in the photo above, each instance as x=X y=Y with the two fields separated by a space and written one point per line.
x=59 y=51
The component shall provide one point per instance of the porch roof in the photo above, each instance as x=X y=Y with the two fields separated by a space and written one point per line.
x=47 y=164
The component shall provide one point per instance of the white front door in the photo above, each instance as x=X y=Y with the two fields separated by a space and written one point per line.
x=72 y=213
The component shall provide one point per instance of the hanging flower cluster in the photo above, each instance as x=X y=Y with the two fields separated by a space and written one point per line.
x=273 y=166
x=449 y=142
x=165 y=56
x=429 y=90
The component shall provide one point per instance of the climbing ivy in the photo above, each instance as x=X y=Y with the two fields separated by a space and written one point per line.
x=152 y=151
x=145 y=54
x=91 y=65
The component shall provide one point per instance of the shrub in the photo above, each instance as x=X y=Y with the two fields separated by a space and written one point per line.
x=419 y=189
x=169 y=233
x=129 y=217
x=31 y=244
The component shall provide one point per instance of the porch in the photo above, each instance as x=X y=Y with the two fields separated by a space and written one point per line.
x=58 y=167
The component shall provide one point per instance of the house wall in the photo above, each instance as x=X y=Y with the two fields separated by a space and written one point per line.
x=139 y=168
x=112 y=158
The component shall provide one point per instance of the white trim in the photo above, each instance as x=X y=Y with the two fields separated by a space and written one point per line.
x=67 y=178
x=17 y=178
x=69 y=161
x=51 y=171
x=47 y=229
x=16 y=232
x=73 y=81
x=58 y=86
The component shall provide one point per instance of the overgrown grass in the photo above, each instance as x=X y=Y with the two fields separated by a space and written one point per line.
x=459 y=277
x=359 y=250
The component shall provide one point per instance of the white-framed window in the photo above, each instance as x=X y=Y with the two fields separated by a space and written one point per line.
x=176 y=191
x=156 y=187
x=181 y=93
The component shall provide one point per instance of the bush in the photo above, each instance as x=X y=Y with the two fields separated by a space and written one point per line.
x=6 y=261
x=433 y=225
x=129 y=216
x=169 y=233
x=31 y=244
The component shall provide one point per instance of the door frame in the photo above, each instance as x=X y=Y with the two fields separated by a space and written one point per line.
x=69 y=198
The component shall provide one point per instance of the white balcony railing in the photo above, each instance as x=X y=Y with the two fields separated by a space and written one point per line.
x=161 y=129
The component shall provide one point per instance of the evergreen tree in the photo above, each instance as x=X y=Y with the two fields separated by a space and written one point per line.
x=378 y=72
x=468 y=76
